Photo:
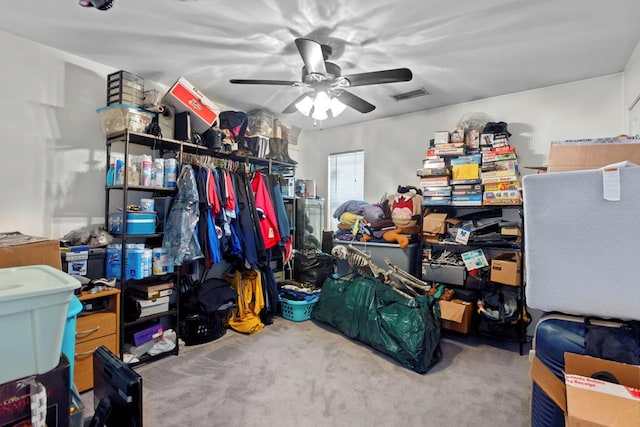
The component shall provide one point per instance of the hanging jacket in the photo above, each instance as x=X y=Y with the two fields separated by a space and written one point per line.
x=268 y=222
x=203 y=206
x=212 y=234
x=246 y=316
x=281 y=210
x=250 y=236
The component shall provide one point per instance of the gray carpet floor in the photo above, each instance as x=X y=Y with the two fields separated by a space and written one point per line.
x=308 y=374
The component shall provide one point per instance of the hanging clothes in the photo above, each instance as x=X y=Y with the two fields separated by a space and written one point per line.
x=246 y=316
x=268 y=222
x=270 y=289
x=212 y=230
x=248 y=221
x=281 y=210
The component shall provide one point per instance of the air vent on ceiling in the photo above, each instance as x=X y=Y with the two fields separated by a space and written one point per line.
x=411 y=94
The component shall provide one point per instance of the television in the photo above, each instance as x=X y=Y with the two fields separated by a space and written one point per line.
x=117 y=391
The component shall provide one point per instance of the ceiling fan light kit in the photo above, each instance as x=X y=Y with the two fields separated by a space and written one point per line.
x=328 y=86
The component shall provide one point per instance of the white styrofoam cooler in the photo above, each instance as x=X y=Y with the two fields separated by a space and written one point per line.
x=581 y=251
x=34 y=302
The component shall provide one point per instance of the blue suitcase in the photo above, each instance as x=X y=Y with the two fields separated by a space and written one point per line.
x=554 y=335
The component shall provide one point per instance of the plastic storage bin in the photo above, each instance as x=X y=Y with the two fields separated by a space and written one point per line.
x=34 y=302
x=118 y=117
x=298 y=311
x=125 y=88
x=137 y=223
x=69 y=336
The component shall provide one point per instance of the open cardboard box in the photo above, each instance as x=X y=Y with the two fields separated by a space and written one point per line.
x=587 y=401
x=592 y=153
x=456 y=315
x=434 y=223
x=17 y=249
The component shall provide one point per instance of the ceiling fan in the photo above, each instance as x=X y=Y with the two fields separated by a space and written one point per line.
x=328 y=86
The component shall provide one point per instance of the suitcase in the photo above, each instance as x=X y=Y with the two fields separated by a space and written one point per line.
x=554 y=335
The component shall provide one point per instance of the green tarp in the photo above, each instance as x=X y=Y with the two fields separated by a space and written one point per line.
x=363 y=308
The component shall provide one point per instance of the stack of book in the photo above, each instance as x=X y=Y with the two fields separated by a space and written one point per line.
x=434 y=181
x=465 y=180
x=470 y=168
x=500 y=175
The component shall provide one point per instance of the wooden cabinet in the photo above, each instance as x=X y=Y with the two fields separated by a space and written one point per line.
x=97 y=324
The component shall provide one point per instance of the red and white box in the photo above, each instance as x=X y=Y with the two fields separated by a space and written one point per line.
x=183 y=96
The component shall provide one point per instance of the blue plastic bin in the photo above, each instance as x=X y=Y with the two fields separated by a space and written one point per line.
x=69 y=335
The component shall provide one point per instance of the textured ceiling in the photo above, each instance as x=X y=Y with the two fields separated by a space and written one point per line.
x=458 y=51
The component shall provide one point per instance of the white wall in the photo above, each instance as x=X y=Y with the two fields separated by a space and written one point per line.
x=632 y=92
x=394 y=147
x=53 y=153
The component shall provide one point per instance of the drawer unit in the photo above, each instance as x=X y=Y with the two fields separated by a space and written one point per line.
x=94 y=326
x=93 y=329
x=83 y=376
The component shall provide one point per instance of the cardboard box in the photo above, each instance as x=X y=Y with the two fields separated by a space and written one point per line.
x=183 y=96
x=592 y=402
x=456 y=315
x=17 y=249
x=592 y=153
x=15 y=398
x=441 y=137
x=434 y=223
x=505 y=268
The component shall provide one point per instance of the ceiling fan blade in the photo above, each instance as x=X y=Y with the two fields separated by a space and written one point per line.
x=265 y=82
x=378 y=77
x=355 y=102
x=291 y=108
x=311 y=53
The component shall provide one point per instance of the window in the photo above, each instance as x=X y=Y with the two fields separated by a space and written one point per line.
x=346 y=181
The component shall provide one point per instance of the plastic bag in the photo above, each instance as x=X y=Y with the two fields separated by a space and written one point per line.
x=180 y=239
x=313 y=267
x=164 y=344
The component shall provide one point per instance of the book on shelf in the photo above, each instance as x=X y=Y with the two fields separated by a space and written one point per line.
x=467 y=198
x=465 y=172
x=451 y=149
x=491 y=156
x=465 y=181
x=501 y=165
x=469 y=187
x=471 y=159
x=432 y=161
x=436 y=201
x=503 y=186
x=443 y=171
x=466 y=202
x=437 y=191
x=465 y=192
x=434 y=181
x=496 y=179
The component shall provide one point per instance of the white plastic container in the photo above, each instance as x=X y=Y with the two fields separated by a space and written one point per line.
x=34 y=301
x=118 y=117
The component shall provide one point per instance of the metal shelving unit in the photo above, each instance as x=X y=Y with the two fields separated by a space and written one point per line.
x=126 y=139
x=492 y=248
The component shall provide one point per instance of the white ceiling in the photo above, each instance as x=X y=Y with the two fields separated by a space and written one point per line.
x=457 y=50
